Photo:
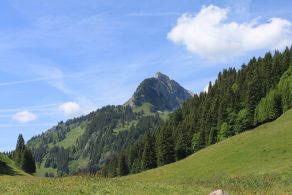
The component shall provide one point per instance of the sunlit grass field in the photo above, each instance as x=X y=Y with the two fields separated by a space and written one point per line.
x=255 y=162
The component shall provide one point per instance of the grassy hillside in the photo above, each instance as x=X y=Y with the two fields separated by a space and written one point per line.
x=72 y=136
x=255 y=162
x=265 y=150
x=8 y=167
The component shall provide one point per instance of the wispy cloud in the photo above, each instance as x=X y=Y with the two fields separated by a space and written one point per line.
x=9 y=83
x=44 y=107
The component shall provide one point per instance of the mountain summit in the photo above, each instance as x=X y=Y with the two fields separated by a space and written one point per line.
x=161 y=92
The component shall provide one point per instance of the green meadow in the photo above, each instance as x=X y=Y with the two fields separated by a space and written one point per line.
x=254 y=162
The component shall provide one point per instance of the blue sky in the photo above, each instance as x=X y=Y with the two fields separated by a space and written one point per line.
x=64 y=58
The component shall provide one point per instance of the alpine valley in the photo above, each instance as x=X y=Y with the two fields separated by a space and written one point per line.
x=229 y=134
x=236 y=136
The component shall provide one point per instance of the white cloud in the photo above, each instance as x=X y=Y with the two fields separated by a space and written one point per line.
x=210 y=36
x=69 y=108
x=24 y=117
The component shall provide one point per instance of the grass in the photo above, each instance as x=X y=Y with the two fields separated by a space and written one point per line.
x=145 y=107
x=78 y=164
x=125 y=127
x=41 y=170
x=8 y=167
x=72 y=136
x=255 y=162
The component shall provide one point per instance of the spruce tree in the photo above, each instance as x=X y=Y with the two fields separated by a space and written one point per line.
x=149 y=160
x=182 y=148
x=23 y=156
x=122 y=166
x=165 y=147
x=20 y=143
x=28 y=162
x=19 y=151
x=136 y=166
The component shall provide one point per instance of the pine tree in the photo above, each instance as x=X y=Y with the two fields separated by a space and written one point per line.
x=182 y=148
x=28 y=162
x=23 y=156
x=20 y=143
x=19 y=151
x=136 y=166
x=122 y=166
x=165 y=147
x=149 y=160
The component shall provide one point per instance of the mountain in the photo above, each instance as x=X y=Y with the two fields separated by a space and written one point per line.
x=85 y=143
x=161 y=92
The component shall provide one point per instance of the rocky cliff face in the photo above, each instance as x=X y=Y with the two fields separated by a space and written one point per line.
x=161 y=92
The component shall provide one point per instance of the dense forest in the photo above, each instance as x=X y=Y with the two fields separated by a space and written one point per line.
x=107 y=131
x=258 y=92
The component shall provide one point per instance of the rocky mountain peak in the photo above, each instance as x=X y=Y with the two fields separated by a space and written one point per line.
x=161 y=76
x=161 y=92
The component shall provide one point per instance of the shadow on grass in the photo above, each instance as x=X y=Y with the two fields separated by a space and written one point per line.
x=7 y=170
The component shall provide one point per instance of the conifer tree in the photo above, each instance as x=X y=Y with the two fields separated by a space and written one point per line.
x=149 y=160
x=19 y=151
x=135 y=166
x=182 y=148
x=122 y=166
x=28 y=162
x=165 y=147
x=23 y=156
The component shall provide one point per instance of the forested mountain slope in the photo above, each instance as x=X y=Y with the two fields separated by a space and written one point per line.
x=84 y=144
x=238 y=100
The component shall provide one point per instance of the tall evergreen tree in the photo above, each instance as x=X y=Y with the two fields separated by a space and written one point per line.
x=182 y=148
x=19 y=151
x=165 y=147
x=149 y=160
x=23 y=156
x=20 y=145
x=28 y=162
x=122 y=166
